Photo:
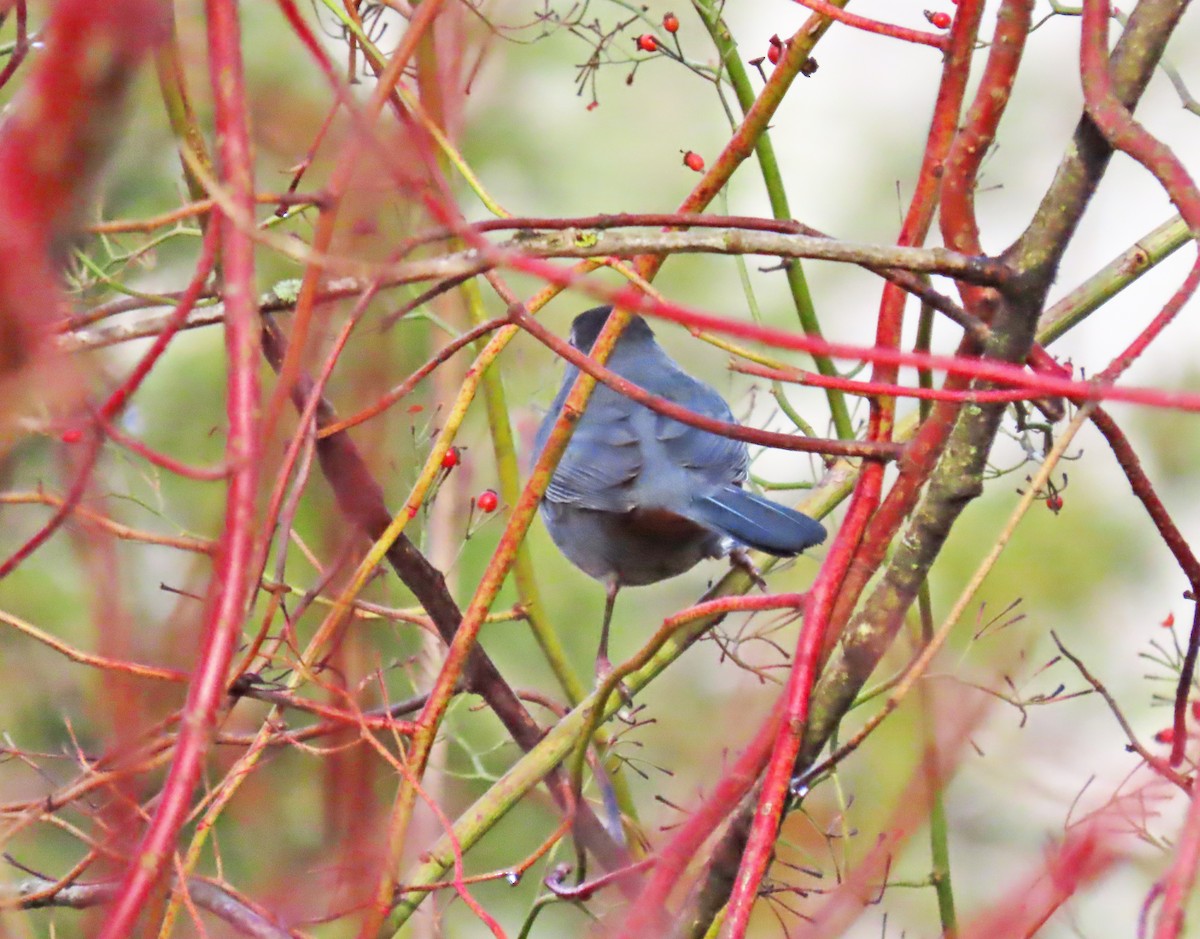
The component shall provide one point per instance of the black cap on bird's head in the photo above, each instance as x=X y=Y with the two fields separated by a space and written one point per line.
x=587 y=326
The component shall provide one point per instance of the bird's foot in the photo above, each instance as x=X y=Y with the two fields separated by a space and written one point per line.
x=604 y=668
x=740 y=558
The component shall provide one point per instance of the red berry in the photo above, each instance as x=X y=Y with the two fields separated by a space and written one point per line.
x=1054 y=502
x=450 y=460
x=647 y=43
x=488 y=500
x=1168 y=622
x=1166 y=735
x=74 y=435
x=775 y=51
x=671 y=23
x=693 y=161
x=940 y=19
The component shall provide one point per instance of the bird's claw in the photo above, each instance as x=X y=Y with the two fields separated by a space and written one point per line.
x=604 y=668
x=740 y=558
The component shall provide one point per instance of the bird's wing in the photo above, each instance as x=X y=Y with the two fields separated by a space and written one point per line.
x=603 y=459
x=713 y=459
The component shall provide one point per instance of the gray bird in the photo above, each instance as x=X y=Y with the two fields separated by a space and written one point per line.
x=639 y=497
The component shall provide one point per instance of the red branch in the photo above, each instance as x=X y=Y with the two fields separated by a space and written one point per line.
x=1179 y=881
x=874 y=389
x=761 y=843
x=1016 y=376
x=51 y=144
x=645 y=916
x=230 y=585
x=1114 y=121
x=849 y=542
x=960 y=230
x=684 y=415
x=1084 y=855
x=20 y=45
x=823 y=7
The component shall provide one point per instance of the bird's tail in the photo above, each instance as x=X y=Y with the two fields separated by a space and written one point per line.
x=757 y=522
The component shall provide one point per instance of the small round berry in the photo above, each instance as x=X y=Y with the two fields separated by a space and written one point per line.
x=775 y=50
x=488 y=500
x=693 y=161
x=1054 y=503
x=74 y=435
x=647 y=43
x=940 y=19
x=671 y=23
x=1166 y=735
x=451 y=459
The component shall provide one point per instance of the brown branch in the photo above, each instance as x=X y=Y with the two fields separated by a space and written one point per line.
x=246 y=920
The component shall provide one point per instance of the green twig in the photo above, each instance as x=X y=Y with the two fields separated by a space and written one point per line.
x=939 y=834
x=777 y=194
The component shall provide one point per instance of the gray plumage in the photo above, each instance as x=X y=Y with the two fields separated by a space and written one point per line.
x=639 y=497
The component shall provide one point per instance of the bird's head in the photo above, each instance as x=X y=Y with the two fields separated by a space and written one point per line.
x=587 y=326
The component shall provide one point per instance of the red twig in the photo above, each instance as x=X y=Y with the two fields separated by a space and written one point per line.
x=960 y=230
x=1179 y=547
x=204 y=265
x=20 y=45
x=585 y=890
x=761 y=842
x=736 y=431
x=1114 y=121
x=406 y=387
x=1179 y=881
x=849 y=542
x=631 y=298
x=230 y=585
x=83 y=472
x=647 y=915
x=1119 y=128
x=1083 y=856
x=824 y=8
x=49 y=147
x=873 y=389
x=959 y=226
x=170 y=464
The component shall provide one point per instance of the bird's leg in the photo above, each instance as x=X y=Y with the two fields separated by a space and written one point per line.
x=740 y=558
x=603 y=665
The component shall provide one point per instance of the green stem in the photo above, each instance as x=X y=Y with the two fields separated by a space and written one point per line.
x=939 y=835
x=924 y=337
x=169 y=66
x=1111 y=279
x=776 y=193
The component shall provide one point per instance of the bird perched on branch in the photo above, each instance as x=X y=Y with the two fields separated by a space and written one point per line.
x=639 y=497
